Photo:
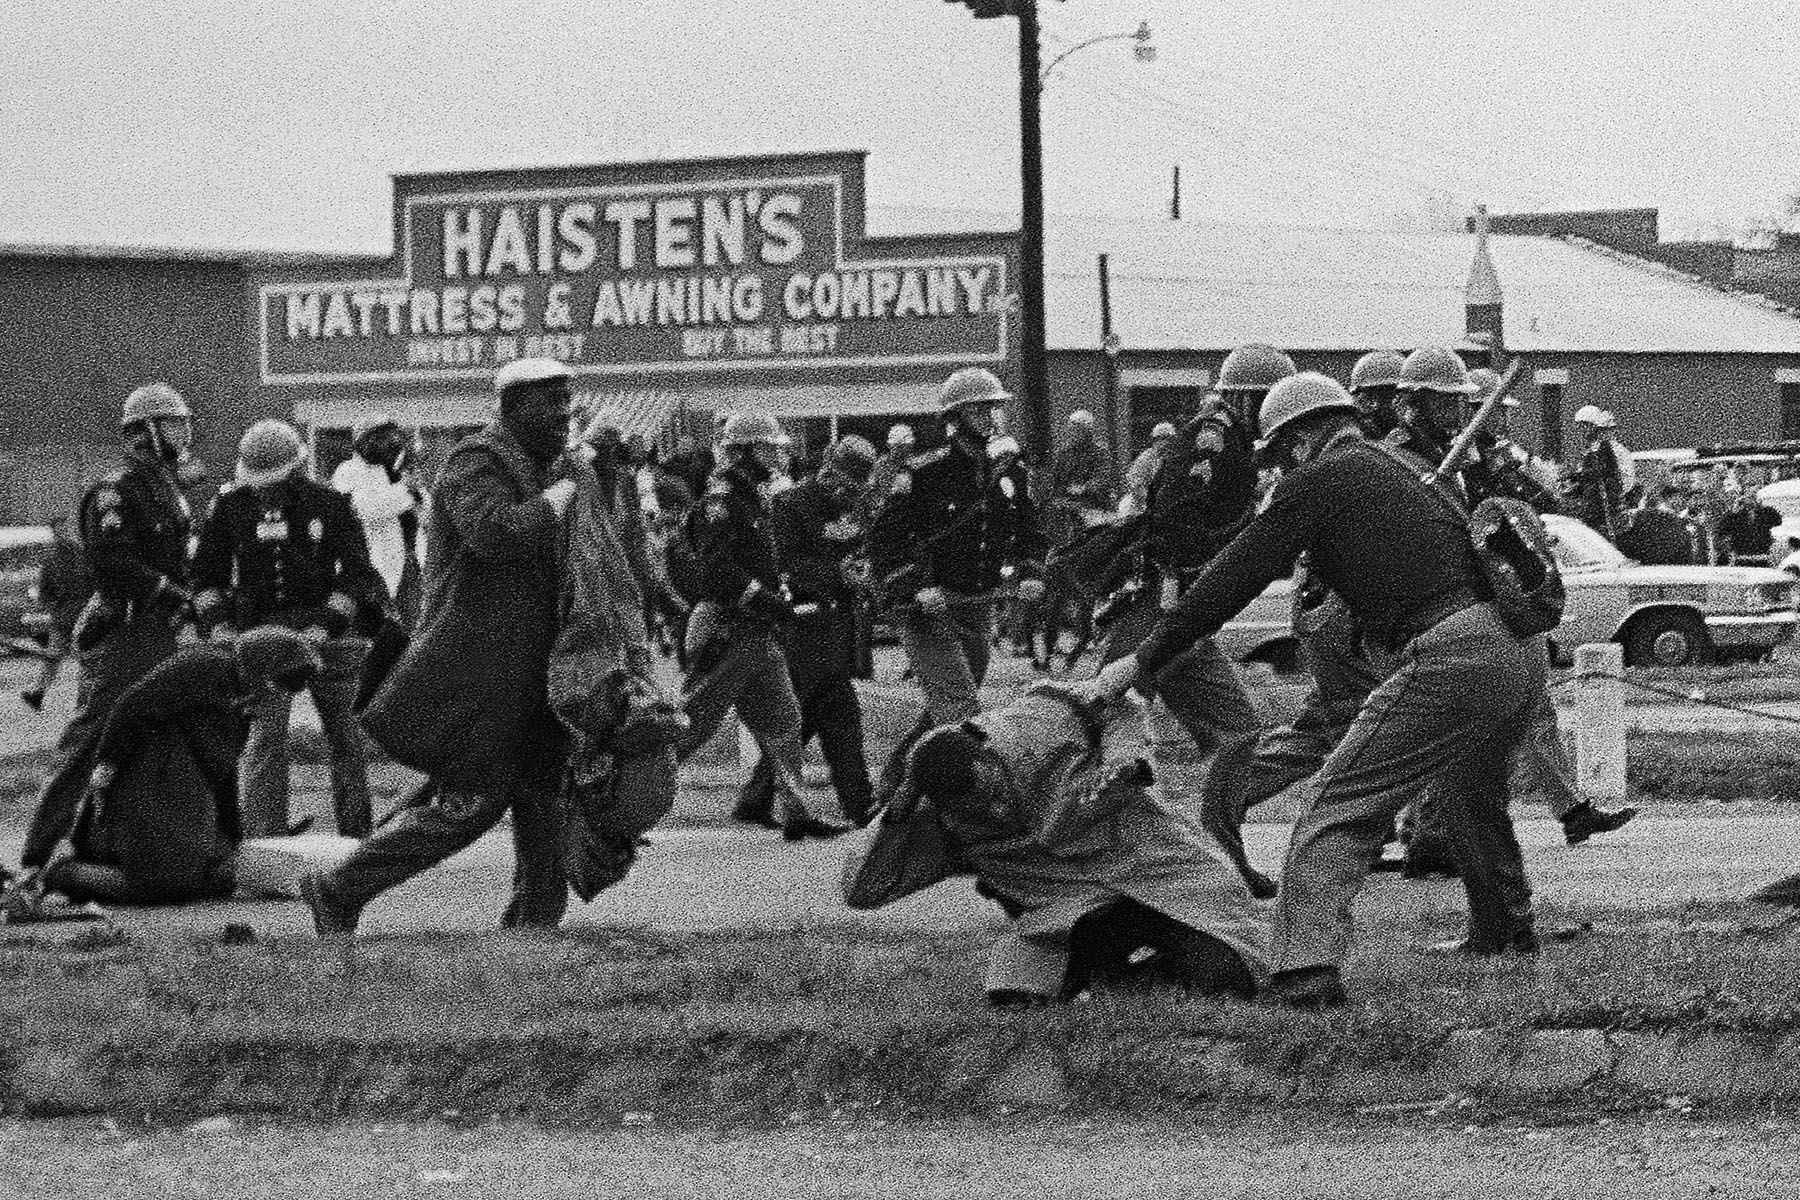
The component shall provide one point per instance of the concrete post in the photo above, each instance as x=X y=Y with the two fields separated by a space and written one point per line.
x=1600 y=723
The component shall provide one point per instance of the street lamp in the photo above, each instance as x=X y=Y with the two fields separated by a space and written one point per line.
x=1143 y=51
x=1032 y=77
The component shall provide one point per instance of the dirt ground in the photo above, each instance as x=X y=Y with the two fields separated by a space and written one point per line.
x=1227 y=1153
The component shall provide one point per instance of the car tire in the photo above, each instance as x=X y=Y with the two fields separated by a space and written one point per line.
x=1668 y=639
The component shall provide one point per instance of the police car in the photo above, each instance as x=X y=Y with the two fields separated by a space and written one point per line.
x=1664 y=616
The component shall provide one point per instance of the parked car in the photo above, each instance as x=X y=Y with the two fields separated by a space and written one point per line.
x=1663 y=616
x=23 y=550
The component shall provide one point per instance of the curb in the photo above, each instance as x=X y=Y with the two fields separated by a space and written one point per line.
x=744 y=1079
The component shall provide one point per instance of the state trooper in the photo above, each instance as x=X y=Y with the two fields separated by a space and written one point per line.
x=134 y=527
x=734 y=654
x=279 y=549
x=1435 y=386
x=1459 y=701
x=1374 y=386
x=954 y=527
x=1203 y=492
x=819 y=530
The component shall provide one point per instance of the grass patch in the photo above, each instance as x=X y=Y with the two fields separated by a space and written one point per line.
x=745 y=1028
x=1693 y=767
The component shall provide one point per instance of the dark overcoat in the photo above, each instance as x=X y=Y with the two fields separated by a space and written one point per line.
x=467 y=704
x=170 y=818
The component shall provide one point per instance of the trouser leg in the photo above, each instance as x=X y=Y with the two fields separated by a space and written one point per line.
x=263 y=768
x=420 y=837
x=540 y=891
x=769 y=710
x=1288 y=754
x=1540 y=768
x=708 y=696
x=834 y=711
x=125 y=656
x=1458 y=683
x=334 y=692
x=948 y=652
x=1478 y=825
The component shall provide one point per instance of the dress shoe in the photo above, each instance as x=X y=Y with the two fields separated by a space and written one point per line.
x=756 y=814
x=1785 y=892
x=1523 y=941
x=798 y=826
x=333 y=922
x=1584 y=821
x=1310 y=988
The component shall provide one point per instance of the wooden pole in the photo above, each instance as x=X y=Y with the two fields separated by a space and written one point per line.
x=1109 y=343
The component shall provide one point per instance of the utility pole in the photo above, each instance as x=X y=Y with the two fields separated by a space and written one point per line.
x=1032 y=370
x=1175 y=195
x=1110 y=344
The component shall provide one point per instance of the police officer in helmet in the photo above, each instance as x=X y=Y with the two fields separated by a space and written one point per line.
x=734 y=649
x=954 y=527
x=1373 y=385
x=1203 y=492
x=134 y=527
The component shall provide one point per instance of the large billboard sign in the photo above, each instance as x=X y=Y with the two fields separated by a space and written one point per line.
x=726 y=266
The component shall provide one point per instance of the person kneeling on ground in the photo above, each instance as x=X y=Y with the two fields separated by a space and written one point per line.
x=160 y=823
x=1051 y=803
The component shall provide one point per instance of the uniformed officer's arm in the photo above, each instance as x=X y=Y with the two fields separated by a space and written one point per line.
x=1029 y=543
x=715 y=535
x=895 y=533
x=119 y=568
x=212 y=564
x=477 y=495
x=1264 y=551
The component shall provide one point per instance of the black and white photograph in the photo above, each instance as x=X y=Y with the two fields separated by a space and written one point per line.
x=1093 y=599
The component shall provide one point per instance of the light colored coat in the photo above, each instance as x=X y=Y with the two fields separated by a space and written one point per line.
x=1082 y=835
x=379 y=503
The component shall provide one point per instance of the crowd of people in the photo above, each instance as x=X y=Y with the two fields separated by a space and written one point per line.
x=498 y=631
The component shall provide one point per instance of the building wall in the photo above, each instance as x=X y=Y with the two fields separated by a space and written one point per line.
x=78 y=332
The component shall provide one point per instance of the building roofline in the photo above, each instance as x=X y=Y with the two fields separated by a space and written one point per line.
x=1652 y=266
x=187 y=254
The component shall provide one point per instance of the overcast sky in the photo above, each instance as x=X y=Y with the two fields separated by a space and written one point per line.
x=276 y=125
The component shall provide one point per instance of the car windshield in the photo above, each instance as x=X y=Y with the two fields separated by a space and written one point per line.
x=1579 y=548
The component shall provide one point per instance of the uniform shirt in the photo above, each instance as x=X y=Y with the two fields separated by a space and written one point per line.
x=1203 y=491
x=1372 y=533
x=816 y=532
x=733 y=536
x=952 y=520
x=294 y=555
x=1082 y=473
x=134 y=532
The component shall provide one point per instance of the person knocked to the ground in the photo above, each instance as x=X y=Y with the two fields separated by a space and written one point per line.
x=1051 y=803
x=159 y=823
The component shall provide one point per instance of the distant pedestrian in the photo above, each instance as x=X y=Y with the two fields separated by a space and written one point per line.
x=1597 y=486
x=378 y=479
x=1143 y=469
x=64 y=587
x=900 y=443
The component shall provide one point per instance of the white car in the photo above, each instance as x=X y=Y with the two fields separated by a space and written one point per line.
x=1663 y=616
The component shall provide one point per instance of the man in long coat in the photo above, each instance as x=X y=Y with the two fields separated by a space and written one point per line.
x=1051 y=804
x=468 y=704
x=159 y=823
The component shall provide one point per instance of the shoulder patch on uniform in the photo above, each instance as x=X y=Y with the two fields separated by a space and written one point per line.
x=715 y=507
x=106 y=496
x=902 y=483
x=111 y=519
x=927 y=458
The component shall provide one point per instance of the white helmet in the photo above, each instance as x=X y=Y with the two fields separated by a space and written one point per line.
x=1591 y=414
x=1299 y=395
x=1162 y=429
x=899 y=435
x=1082 y=419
